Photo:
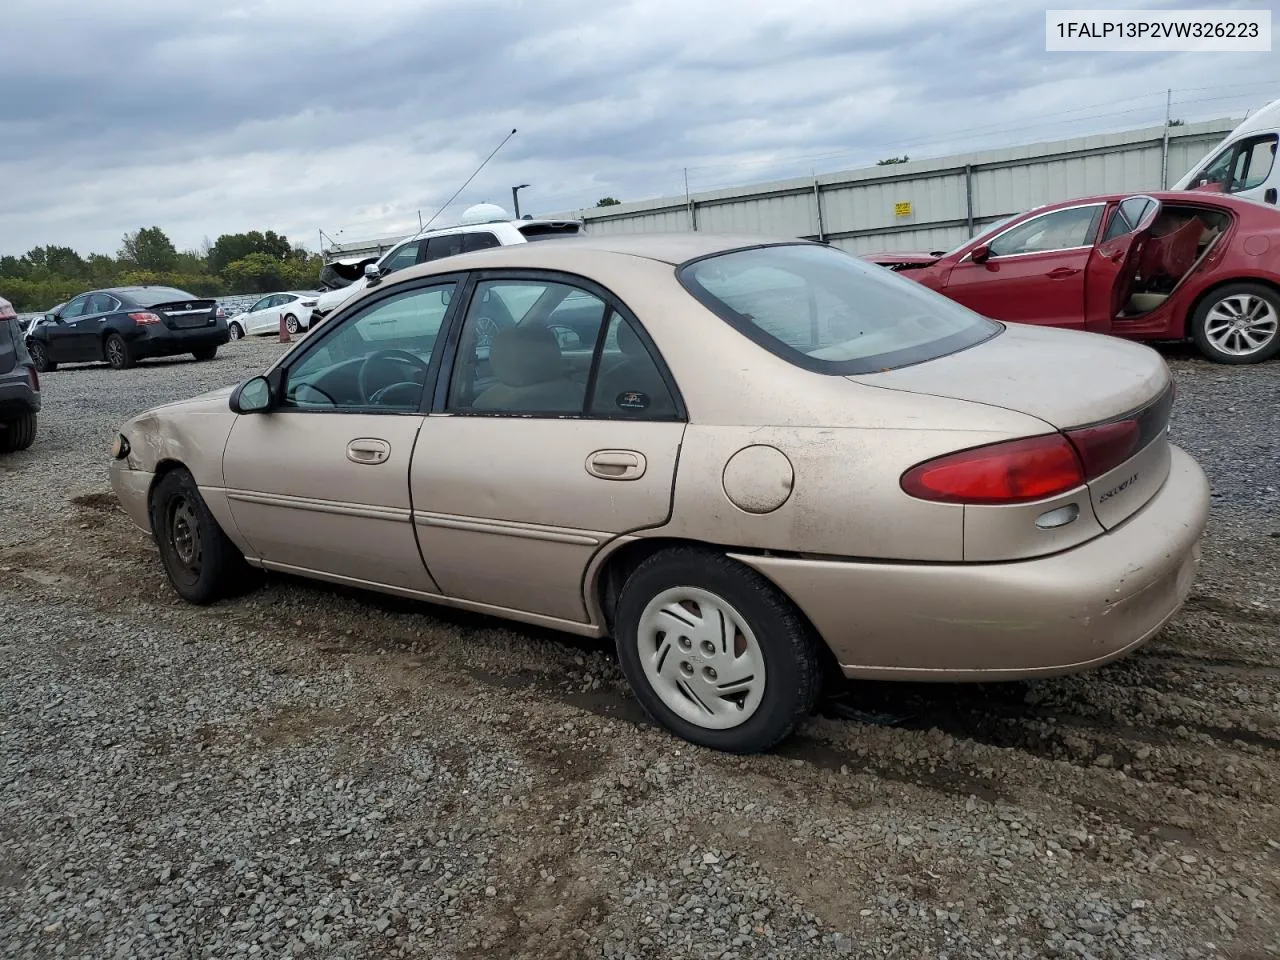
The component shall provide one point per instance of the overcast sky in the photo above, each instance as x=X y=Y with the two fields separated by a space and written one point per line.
x=214 y=116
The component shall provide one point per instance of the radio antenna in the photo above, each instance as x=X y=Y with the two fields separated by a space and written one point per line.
x=468 y=180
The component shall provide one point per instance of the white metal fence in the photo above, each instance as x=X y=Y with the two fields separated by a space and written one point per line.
x=926 y=204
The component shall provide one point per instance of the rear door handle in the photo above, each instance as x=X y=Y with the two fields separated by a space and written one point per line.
x=1061 y=273
x=616 y=464
x=368 y=450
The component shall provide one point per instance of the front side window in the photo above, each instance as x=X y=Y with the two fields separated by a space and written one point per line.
x=405 y=256
x=75 y=308
x=1256 y=158
x=1056 y=230
x=376 y=360
x=262 y=304
x=825 y=310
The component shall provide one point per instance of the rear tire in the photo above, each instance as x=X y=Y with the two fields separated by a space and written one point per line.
x=200 y=560
x=17 y=433
x=734 y=666
x=117 y=352
x=40 y=357
x=291 y=323
x=1238 y=323
x=205 y=353
x=236 y=331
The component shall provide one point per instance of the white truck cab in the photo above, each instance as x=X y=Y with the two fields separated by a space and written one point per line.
x=481 y=226
x=1244 y=164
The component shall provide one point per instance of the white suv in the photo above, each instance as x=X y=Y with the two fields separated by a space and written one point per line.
x=472 y=234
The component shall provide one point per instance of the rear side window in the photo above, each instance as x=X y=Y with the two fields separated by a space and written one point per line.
x=479 y=241
x=830 y=312
x=443 y=246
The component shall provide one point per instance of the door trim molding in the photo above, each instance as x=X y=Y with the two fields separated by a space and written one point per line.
x=511 y=528
x=368 y=511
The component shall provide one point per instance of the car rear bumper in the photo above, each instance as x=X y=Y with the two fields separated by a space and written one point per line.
x=1048 y=616
x=168 y=343
x=16 y=395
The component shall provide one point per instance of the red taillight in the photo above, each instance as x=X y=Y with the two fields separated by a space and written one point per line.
x=144 y=318
x=1106 y=446
x=1015 y=471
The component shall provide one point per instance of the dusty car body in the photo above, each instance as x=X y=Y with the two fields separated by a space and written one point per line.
x=1161 y=266
x=746 y=461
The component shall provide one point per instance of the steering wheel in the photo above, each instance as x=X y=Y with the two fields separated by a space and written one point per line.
x=370 y=395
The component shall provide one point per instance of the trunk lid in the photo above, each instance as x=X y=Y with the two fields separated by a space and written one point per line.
x=1069 y=380
x=186 y=314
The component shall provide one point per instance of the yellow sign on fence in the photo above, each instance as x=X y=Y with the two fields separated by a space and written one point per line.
x=902 y=209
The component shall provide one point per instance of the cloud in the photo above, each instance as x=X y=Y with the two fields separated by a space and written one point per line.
x=297 y=115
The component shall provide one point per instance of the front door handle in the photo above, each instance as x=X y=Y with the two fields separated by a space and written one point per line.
x=616 y=464
x=368 y=450
x=1061 y=273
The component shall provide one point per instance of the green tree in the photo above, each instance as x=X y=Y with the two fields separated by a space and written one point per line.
x=149 y=248
x=255 y=273
x=607 y=202
x=53 y=261
x=236 y=246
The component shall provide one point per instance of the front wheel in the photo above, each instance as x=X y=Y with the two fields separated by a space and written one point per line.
x=17 y=433
x=714 y=652
x=291 y=323
x=117 y=352
x=40 y=357
x=205 y=353
x=1238 y=323
x=201 y=561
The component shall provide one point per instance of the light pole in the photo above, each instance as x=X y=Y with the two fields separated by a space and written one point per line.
x=515 y=198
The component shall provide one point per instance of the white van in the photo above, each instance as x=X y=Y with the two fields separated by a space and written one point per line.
x=1244 y=164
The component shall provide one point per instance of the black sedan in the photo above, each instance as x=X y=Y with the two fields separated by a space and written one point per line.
x=123 y=325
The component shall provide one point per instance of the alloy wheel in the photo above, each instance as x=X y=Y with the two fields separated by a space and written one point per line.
x=1241 y=324
x=115 y=352
x=235 y=331
x=701 y=658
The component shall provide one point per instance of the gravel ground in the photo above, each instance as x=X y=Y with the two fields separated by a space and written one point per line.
x=315 y=772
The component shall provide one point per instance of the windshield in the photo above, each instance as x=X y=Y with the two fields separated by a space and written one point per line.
x=827 y=311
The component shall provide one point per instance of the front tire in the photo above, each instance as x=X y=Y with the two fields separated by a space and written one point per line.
x=205 y=353
x=1238 y=323
x=236 y=331
x=117 y=352
x=40 y=357
x=714 y=652
x=17 y=433
x=291 y=323
x=201 y=561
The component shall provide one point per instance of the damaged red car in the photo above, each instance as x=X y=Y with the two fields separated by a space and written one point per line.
x=1160 y=266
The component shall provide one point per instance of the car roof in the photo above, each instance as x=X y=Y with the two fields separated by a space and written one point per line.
x=1203 y=198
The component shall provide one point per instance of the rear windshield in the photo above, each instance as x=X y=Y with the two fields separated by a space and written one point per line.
x=153 y=295
x=825 y=310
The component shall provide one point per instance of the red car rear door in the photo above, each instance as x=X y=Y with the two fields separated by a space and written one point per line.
x=1033 y=271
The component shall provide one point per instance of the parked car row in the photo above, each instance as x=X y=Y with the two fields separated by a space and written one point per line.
x=868 y=479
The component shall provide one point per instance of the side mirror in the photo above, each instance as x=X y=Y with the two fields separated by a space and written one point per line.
x=980 y=254
x=255 y=395
x=371 y=270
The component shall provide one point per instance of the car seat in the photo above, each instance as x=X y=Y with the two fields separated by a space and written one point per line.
x=531 y=374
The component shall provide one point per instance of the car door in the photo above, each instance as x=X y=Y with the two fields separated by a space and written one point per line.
x=60 y=336
x=1034 y=271
x=320 y=484
x=524 y=471
x=1114 y=262
x=1246 y=168
x=256 y=316
x=88 y=331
